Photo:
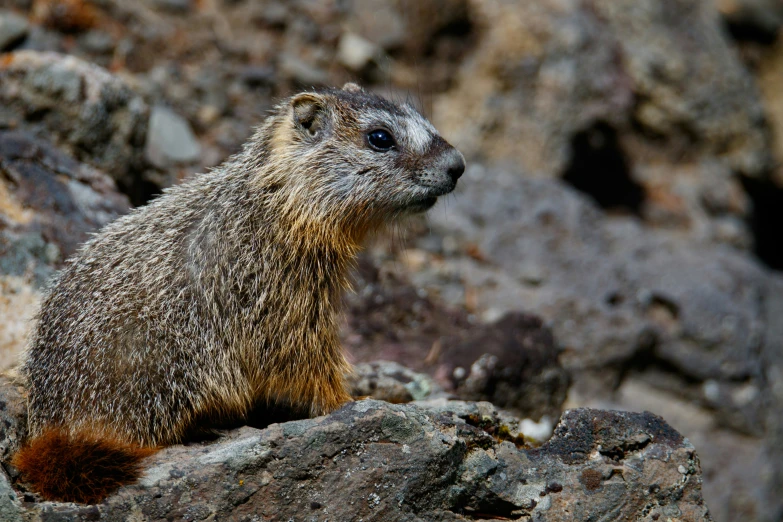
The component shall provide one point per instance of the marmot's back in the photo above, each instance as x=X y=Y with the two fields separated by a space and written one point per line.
x=224 y=291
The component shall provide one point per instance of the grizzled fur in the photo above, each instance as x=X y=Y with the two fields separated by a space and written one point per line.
x=224 y=291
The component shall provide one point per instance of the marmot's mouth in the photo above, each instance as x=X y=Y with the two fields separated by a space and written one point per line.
x=423 y=204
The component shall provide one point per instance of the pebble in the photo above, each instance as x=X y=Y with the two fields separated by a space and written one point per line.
x=354 y=52
x=170 y=140
x=301 y=71
x=174 y=6
x=13 y=27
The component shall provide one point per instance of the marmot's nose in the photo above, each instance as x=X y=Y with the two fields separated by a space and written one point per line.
x=455 y=164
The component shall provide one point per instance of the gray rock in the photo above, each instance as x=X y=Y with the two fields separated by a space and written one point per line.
x=10 y=508
x=13 y=418
x=174 y=6
x=663 y=76
x=382 y=22
x=51 y=195
x=758 y=20
x=355 y=52
x=392 y=382
x=301 y=71
x=13 y=27
x=612 y=288
x=686 y=318
x=90 y=113
x=372 y=460
x=170 y=140
x=97 y=41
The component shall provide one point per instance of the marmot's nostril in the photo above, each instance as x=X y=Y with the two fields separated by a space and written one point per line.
x=456 y=165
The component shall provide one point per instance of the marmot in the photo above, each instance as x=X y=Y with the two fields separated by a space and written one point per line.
x=223 y=292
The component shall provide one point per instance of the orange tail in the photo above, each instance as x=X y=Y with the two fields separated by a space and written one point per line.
x=78 y=468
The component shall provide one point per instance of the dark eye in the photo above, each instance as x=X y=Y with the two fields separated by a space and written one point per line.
x=380 y=140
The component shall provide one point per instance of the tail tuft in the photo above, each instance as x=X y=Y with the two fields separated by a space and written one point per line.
x=78 y=468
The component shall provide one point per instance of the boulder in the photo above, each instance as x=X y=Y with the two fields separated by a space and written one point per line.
x=431 y=460
x=645 y=105
x=645 y=319
x=49 y=203
x=512 y=362
x=90 y=113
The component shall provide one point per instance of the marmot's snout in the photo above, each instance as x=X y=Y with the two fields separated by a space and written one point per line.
x=454 y=164
x=445 y=169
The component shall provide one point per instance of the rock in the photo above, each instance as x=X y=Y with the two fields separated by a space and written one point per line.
x=614 y=92
x=174 y=6
x=13 y=419
x=645 y=291
x=772 y=363
x=13 y=430
x=355 y=52
x=170 y=141
x=625 y=302
x=93 y=115
x=49 y=202
x=302 y=71
x=382 y=22
x=392 y=382
x=757 y=20
x=424 y=461
x=10 y=508
x=50 y=194
x=512 y=362
x=13 y=28
x=98 y=42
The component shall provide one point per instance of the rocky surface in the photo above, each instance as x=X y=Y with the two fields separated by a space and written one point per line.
x=13 y=28
x=603 y=249
x=644 y=105
x=692 y=324
x=372 y=460
x=92 y=114
x=48 y=204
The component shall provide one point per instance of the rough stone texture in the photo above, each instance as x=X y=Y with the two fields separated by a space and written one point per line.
x=392 y=382
x=13 y=418
x=90 y=113
x=48 y=192
x=645 y=106
x=512 y=362
x=752 y=19
x=650 y=91
x=437 y=460
x=13 y=28
x=517 y=366
x=696 y=308
x=631 y=307
x=49 y=202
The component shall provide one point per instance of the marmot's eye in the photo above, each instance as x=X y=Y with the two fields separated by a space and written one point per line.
x=380 y=140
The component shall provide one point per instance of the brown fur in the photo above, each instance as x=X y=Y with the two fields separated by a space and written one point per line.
x=224 y=292
x=78 y=468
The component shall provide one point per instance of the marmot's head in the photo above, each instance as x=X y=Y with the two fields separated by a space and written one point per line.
x=358 y=158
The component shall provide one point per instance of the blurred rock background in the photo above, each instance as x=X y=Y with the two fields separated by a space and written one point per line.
x=615 y=243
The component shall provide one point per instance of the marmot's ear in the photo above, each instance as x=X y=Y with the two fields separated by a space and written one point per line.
x=309 y=113
x=352 y=87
